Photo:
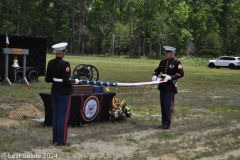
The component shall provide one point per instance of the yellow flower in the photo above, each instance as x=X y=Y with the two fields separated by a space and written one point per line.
x=107 y=89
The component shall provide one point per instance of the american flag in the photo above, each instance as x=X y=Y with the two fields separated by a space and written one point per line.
x=7 y=40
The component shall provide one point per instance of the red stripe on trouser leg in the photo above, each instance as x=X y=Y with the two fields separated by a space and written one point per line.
x=171 y=107
x=66 y=120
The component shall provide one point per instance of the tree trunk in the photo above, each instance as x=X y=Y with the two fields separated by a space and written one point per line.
x=113 y=29
x=130 y=32
x=237 y=54
x=72 y=30
x=79 y=37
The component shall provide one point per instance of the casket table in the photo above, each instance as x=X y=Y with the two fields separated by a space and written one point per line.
x=85 y=108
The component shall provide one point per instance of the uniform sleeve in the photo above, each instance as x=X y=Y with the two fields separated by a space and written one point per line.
x=66 y=73
x=157 y=71
x=179 y=73
x=48 y=76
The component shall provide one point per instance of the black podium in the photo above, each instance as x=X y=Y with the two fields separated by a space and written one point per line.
x=85 y=108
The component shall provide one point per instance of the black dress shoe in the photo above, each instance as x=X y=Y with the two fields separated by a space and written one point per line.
x=165 y=127
x=60 y=144
x=161 y=126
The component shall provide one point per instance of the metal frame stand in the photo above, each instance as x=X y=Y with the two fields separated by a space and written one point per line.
x=16 y=51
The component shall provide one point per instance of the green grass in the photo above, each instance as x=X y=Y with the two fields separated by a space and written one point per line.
x=208 y=99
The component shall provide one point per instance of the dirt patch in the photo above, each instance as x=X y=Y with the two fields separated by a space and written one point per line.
x=27 y=111
x=8 y=122
x=24 y=112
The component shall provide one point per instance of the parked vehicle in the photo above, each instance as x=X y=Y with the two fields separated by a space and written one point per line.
x=226 y=62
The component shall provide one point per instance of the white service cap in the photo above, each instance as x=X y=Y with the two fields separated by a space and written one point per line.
x=169 y=48
x=60 y=46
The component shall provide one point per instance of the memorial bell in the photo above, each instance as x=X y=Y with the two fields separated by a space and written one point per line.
x=15 y=62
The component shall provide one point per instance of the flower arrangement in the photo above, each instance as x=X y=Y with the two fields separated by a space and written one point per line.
x=119 y=110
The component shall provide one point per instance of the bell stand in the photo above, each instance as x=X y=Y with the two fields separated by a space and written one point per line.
x=15 y=51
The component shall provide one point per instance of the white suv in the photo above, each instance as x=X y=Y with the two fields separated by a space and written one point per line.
x=225 y=61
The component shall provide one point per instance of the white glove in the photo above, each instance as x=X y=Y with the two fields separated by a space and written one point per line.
x=77 y=81
x=167 y=78
x=154 y=78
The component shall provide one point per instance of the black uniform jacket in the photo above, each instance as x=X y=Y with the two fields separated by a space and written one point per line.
x=173 y=68
x=58 y=68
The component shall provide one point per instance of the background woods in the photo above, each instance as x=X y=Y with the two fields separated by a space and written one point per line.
x=129 y=27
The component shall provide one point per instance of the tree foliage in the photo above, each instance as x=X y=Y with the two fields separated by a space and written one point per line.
x=129 y=27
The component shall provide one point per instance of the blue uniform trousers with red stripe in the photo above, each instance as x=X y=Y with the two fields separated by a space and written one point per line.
x=61 y=110
x=167 y=101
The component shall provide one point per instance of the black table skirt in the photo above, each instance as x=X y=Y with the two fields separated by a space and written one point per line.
x=77 y=100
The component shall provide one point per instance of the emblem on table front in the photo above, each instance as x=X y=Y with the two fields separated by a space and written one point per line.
x=90 y=108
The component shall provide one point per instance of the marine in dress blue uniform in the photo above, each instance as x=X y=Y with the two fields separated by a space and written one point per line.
x=172 y=69
x=58 y=73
